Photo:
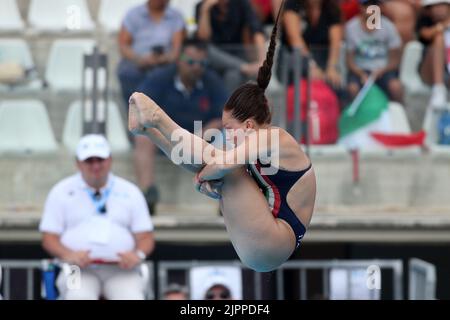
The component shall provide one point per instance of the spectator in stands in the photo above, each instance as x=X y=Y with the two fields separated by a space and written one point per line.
x=266 y=10
x=321 y=37
x=433 y=28
x=218 y=291
x=175 y=291
x=99 y=222
x=373 y=52
x=151 y=36
x=349 y=9
x=403 y=13
x=188 y=92
x=229 y=25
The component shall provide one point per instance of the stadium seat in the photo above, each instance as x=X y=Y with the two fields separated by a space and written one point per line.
x=187 y=9
x=409 y=74
x=112 y=12
x=399 y=120
x=10 y=19
x=62 y=15
x=204 y=277
x=25 y=127
x=18 y=51
x=115 y=130
x=65 y=63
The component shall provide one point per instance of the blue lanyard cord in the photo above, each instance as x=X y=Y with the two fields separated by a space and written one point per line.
x=100 y=203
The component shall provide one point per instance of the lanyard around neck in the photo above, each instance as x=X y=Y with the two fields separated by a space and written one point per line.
x=99 y=204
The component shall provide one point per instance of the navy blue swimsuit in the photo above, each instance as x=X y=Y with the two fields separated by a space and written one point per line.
x=275 y=188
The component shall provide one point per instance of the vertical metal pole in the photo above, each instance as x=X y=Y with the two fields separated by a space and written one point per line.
x=30 y=282
x=280 y=284
x=412 y=282
x=151 y=281
x=96 y=125
x=7 y=283
x=326 y=283
x=84 y=103
x=163 y=278
x=286 y=61
x=258 y=285
x=349 y=287
x=303 y=285
x=106 y=95
x=308 y=104
x=298 y=68
x=397 y=281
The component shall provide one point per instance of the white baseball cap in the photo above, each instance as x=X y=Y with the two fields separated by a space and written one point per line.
x=432 y=2
x=93 y=145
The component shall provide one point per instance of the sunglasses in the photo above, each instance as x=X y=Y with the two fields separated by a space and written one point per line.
x=202 y=63
x=218 y=295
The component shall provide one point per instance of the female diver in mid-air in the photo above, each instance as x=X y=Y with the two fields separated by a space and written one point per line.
x=266 y=213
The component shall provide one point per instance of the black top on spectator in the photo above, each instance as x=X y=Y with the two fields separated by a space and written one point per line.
x=229 y=29
x=424 y=21
x=315 y=35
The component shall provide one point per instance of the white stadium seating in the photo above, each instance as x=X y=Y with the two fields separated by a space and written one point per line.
x=25 y=127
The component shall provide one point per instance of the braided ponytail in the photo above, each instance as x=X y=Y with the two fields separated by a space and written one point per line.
x=265 y=72
x=249 y=101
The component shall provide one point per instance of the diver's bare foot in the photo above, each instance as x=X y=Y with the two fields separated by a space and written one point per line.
x=142 y=113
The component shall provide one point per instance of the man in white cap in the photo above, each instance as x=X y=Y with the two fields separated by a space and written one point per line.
x=99 y=223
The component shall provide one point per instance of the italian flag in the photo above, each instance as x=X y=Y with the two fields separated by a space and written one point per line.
x=366 y=123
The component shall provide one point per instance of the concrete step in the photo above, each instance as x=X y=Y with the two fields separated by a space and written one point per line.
x=391 y=186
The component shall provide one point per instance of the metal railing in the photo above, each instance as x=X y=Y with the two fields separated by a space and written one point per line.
x=293 y=65
x=326 y=266
x=29 y=266
x=32 y=266
x=422 y=276
x=302 y=266
x=422 y=280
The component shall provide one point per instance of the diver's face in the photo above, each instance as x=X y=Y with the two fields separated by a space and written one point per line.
x=236 y=130
x=231 y=123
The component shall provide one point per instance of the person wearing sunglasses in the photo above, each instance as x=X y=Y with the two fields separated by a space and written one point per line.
x=189 y=91
x=151 y=36
x=99 y=223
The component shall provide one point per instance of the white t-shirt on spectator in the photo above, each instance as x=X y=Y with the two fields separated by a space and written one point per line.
x=71 y=213
x=371 y=49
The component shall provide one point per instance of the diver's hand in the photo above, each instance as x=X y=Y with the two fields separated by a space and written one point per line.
x=211 y=189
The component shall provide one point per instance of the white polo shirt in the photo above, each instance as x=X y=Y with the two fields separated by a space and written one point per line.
x=71 y=213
